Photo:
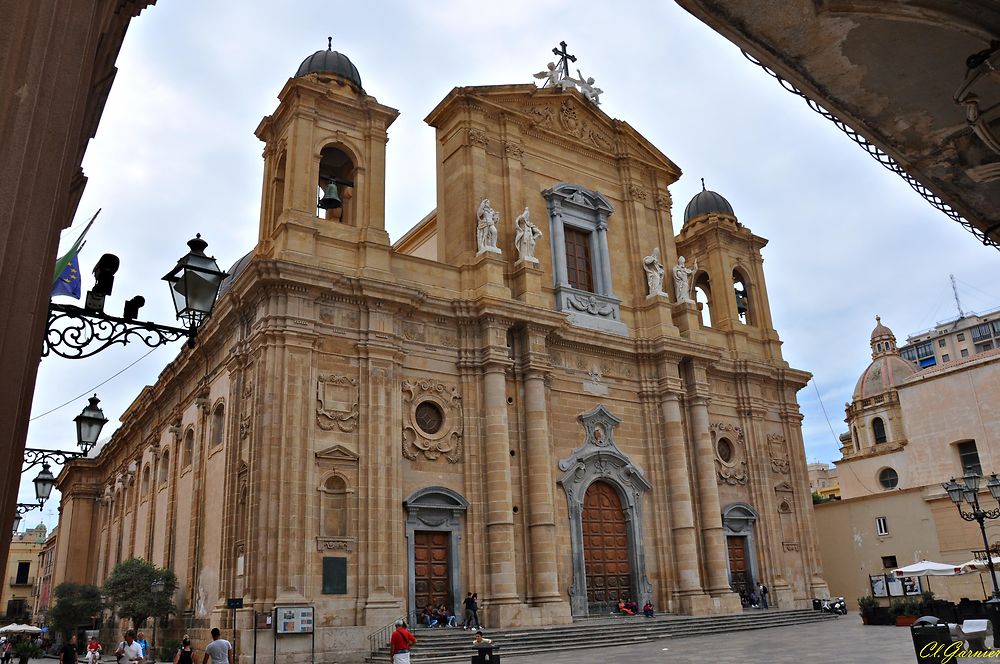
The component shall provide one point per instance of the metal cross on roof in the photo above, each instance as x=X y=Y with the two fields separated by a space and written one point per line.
x=564 y=58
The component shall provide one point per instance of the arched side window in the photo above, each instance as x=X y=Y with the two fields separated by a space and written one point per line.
x=278 y=190
x=857 y=441
x=188 y=447
x=218 y=424
x=703 y=297
x=164 y=473
x=335 y=187
x=878 y=428
x=145 y=481
x=334 y=507
x=744 y=312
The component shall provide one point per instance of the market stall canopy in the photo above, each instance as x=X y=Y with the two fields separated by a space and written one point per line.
x=928 y=568
x=14 y=628
x=978 y=565
x=6 y=629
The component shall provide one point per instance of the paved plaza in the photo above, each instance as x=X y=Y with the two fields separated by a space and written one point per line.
x=841 y=641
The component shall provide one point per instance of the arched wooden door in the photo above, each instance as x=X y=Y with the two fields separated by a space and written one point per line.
x=605 y=546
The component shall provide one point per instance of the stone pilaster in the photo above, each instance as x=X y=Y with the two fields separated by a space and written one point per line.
x=541 y=517
x=499 y=502
x=713 y=542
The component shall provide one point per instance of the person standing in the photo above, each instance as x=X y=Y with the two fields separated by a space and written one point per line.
x=129 y=649
x=68 y=653
x=140 y=638
x=185 y=654
x=762 y=593
x=399 y=644
x=219 y=651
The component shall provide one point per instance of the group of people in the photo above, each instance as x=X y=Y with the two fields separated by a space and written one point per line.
x=402 y=640
x=629 y=607
x=440 y=616
x=755 y=597
x=132 y=650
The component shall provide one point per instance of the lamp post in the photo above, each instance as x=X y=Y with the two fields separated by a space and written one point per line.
x=156 y=587
x=76 y=332
x=23 y=508
x=968 y=490
x=88 y=429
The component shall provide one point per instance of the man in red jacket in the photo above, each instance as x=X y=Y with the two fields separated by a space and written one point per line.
x=400 y=642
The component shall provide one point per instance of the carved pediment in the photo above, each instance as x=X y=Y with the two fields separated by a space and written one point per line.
x=337 y=454
x=784 y=487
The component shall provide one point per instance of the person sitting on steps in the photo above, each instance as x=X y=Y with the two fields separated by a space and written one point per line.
x=623 y=609
x=428 y=617
x=647 y=609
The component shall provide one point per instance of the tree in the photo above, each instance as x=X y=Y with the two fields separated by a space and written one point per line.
x=819 y=499
x=76 y=604
x=129 y=590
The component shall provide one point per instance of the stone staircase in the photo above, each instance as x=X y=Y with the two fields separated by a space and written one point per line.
x=439 y=645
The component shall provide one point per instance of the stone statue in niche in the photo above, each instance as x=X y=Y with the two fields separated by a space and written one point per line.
x=654 y=273
x=526 y=234
x=486 y=229
x=682 y=280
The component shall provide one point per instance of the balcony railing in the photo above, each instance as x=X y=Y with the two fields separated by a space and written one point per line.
x=22 y=581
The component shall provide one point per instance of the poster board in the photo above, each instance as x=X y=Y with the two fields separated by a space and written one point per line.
x=293 y=620
x=887 y=585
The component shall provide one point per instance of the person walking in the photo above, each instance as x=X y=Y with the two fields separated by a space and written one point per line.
x=185 y=654
x=399 y=644
x=219 y=651
x=762 y=594
x=68 y=653
x=8 y=651
x=470 y=611
x=129 y=649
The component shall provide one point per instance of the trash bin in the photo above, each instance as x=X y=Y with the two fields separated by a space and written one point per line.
x=931 y=639
x=817 y=604
x=486 y=654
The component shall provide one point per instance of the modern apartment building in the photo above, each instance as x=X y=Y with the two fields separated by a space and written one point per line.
x=961 y=337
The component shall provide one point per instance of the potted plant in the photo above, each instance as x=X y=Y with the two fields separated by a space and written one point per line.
x=866 y=607
x=906 y=612
x=25 y=649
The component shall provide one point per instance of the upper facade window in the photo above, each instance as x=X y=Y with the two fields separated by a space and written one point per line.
x=968 y=455
x=581 y=263
x=878 y=428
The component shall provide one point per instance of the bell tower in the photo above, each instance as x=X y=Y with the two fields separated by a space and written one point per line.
x=324 y=168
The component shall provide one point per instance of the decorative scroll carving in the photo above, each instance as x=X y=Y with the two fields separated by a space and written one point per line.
x=447 y=439
x=512 y=149
x=335 y=544
x=778 y=453
x=478 y=137
x=246 y=409
x=731 y=470
x=636 y=191
x=338 y=403
x=591 y=305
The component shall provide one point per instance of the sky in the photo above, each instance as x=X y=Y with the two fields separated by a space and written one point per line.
x=175 y=155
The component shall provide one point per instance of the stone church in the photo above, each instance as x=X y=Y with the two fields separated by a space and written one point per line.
x=548 y=391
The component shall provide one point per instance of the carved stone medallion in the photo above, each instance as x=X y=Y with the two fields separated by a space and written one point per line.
x=730 y=453
x=432 y=421
x=338 y=403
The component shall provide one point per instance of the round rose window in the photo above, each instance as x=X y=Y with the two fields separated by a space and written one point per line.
x=429 y=417
x=725 y=450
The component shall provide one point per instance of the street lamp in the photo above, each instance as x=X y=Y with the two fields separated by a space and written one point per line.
x=76 y=332
x=968 y=490
x=23 y=508
x=88 y=429
x=156 y=587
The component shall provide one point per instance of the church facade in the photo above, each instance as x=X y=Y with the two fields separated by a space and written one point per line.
x=543 y=393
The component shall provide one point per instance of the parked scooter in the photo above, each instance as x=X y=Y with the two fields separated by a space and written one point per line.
x=835 y=605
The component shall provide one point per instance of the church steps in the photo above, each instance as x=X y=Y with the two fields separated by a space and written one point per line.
x=441 y=645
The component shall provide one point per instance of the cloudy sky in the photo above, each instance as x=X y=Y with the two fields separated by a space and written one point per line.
x=175 y=154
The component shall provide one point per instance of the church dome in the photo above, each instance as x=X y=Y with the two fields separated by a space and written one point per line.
x=707 y=202
x=887 y=368
x=330 y=62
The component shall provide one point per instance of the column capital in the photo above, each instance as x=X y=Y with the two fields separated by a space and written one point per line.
x=699 y=400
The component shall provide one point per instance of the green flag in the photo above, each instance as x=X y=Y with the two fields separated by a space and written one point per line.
x=68 y=256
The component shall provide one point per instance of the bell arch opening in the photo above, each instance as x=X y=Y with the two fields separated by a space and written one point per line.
x=335 y=185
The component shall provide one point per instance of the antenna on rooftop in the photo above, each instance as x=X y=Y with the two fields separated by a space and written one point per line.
x=958 y=303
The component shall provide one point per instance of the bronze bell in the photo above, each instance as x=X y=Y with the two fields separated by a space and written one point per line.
x=331 y=198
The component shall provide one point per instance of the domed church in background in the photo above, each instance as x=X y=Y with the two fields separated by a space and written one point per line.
x=545 y=391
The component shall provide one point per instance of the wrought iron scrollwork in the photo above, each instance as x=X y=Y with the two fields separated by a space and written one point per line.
x=986 y=514
x=74 y=333
x=879 y=155
x=34 y=456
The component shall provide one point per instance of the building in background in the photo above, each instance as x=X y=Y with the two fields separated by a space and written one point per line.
x=910 y=430
x=17 y=598
x=43 y=582
x=823 y=480
x=367 y=428
x=966 y=335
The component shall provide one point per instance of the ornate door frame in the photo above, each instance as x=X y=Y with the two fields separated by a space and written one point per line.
x=600 y=459
x=439 y=509
x=738 y=520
